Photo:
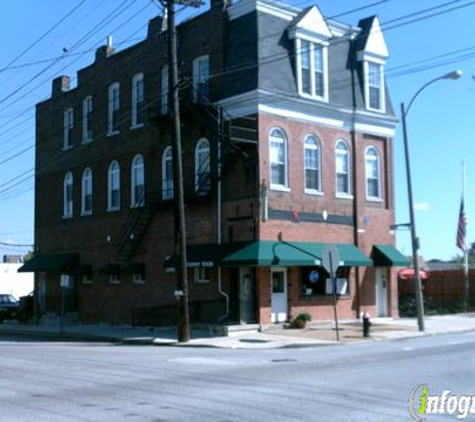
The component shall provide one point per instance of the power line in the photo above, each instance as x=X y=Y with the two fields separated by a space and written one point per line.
x=393 y=20
x=58 y=23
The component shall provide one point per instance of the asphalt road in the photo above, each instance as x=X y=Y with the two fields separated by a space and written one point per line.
x=52 y=381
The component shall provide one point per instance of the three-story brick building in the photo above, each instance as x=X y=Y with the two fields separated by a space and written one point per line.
x=287 y=131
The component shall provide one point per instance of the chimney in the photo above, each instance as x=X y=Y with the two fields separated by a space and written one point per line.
x=105 y=51
x=60 y=85
x=156 y=26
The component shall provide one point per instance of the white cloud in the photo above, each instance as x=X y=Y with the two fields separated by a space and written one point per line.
x=422 y=206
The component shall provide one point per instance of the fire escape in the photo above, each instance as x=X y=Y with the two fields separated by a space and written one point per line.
x=231 y=132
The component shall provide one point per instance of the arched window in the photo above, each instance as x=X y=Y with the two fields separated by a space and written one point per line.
x=312 y=160
x=138 y=182
x=113 y=109
x=68 y=195
x=86 y=192
x=113 y=187
x=137 y=100
x=372 y=171
x=342 y=168
x=278 y=159
x=167 y=174
x=202 y=167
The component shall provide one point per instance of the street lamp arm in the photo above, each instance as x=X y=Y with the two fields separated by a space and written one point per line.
x=420 y=90
x=451 y=75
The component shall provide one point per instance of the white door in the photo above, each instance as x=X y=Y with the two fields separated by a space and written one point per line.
x=381 y=292
x=278 y=285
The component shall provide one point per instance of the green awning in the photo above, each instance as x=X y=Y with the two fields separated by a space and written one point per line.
x=201 y=255
x=270 y=253
x=54 y=263
x=290 y=254
x=266 y=253
x=389 y=256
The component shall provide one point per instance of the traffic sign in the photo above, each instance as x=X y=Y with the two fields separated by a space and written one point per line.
x=330 y=259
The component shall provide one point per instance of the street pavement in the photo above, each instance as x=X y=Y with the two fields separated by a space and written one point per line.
x=371 y=381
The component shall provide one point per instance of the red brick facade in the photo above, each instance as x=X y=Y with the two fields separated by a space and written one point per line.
x=245 y=171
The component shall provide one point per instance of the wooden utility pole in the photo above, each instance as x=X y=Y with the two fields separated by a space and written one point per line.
x=183 y=323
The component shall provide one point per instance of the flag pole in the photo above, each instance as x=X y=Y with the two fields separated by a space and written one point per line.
x=466 y=282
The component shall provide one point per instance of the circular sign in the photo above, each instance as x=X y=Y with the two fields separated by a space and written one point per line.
x=313 y=276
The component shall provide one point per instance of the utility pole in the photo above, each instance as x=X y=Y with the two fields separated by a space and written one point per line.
x=183 y=323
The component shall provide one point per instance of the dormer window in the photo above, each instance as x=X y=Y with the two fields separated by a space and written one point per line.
x=311 y=34
x=312 y=78
x=374 y=88
x=372 y=55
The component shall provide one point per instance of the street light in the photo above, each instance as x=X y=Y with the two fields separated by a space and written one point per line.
x=414 y=240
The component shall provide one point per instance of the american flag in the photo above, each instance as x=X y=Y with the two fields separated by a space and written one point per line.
x=461 y=229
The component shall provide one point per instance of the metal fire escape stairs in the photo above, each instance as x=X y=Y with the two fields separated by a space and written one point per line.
x=140 y=216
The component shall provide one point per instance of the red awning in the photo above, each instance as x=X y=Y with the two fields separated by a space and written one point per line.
x=408 y=274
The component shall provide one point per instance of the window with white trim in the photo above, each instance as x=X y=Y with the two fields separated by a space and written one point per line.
x=114 y=278
x=68 y=125
x=68 y=195
x=372 y=172
x=113 y=187
x=201 y=275
x=201 y=79
x=138 y=101
x=87 y=119
x=167 y=173
x=278 y=159
x=86 y=192
x=312 y=68
x=312 y=163
x=138 y=278
x=113 y=109
x=342 y=169
x=374 y=86
x=137 y=198
x=164 y=90
x=202 y=167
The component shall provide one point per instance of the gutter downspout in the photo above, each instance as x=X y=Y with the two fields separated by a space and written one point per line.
x=218 y=210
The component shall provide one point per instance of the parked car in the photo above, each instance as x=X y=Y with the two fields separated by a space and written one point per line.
x=9 y=307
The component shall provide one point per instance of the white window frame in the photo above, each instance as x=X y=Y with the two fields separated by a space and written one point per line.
x=87 y=279
x=382 y=96
x=86 y=184
x=68 y=195
x=138 y=278
x=376 y=158
x=87 y=120
x=113 y=108
x=167 y=180
x=138 y=165
x=68 y=125
x=199 y=78
x=314 y=147
x=164 y=90
x=201 y=274
x=114 y=169
x=113 y=278
x=138 y=96
x=284 y=140
x=298 y=57
x=338 y=193
x=202 y=149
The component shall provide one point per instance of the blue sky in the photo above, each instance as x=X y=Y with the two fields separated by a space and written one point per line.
x=441 y=123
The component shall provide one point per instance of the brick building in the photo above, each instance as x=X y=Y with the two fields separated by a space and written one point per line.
x=295 y=110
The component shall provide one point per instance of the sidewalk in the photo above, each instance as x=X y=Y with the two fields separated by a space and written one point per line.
x=316 y=334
